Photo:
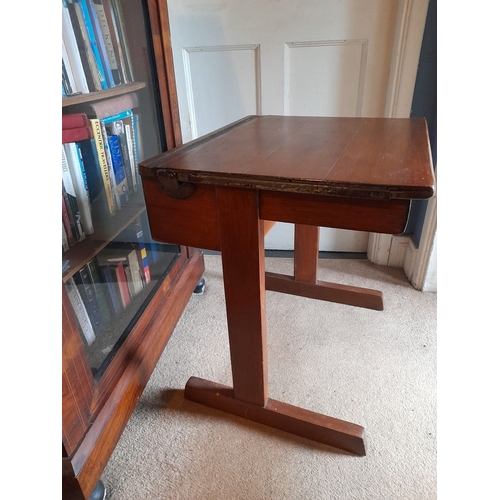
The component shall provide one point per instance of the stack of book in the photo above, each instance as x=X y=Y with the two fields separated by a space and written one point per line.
x=100 y=156
x=102 y=289
x=95 y=52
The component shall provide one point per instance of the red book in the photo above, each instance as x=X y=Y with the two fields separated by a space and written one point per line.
x=122 y=284
x=76 y=134
x=74 y=120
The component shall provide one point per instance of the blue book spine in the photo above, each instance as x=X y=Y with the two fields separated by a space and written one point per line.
x=93 y=42
x=100 y=42
x=118 y=167
x=118 y=116
x=107 y=277
x=92 y=168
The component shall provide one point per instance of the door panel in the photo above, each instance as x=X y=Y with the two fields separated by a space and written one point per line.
x=318 y=58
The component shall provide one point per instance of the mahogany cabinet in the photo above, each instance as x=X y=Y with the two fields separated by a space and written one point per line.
x=105 y=369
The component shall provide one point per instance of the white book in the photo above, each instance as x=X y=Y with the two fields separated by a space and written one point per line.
x=77 y=172
x=131 y=154
x=69 y=42
x=80 y=311
x=69 y=70
x=71 y=191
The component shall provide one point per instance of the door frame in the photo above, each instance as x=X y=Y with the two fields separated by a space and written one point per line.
x=399 y=251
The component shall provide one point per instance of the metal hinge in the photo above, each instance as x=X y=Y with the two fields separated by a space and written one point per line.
x=172 y=186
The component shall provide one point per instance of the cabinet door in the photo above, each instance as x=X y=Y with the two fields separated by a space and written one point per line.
x=112 y=118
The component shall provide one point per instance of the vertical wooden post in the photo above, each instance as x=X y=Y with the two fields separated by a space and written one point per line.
x=306 y=249
x=242 y=249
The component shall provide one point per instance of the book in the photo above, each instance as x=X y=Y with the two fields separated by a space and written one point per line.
x=106 y=34
x=119 y=25
x=67 y=70
x=92 y=39
x=139 y=154
x=68 y=89
x=117 y=117
x=108 y=277
x=86 y=289
x=71 y=199
x=67 y=222
x=79 y=178
x=104 y=166
x=126 y=255
x=120 y=59
x=75 y=61
x=134 y=235
x=117 y=128
x=118 y=168
x=74 y=120
x=76 y=134
x=132 y=147
x=101 y=292
x=92 y=169
x=122 y=283
x=86 y=54
x=65 y=242
x=101 y=45
x=109 y=158
x=80 y=312
x=105 y=108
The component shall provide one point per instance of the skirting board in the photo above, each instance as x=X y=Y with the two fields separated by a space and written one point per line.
x=387 y=250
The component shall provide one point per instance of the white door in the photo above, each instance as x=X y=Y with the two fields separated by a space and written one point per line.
x=235 y=58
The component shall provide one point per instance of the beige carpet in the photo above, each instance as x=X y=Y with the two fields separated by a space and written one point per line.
x=376 y=369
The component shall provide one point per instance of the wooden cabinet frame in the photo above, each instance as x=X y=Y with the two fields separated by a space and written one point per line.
x=95 y=414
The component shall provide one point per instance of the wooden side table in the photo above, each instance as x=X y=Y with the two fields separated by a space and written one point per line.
x=216 y=192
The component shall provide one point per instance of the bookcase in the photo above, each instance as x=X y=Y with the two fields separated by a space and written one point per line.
x=122 y=293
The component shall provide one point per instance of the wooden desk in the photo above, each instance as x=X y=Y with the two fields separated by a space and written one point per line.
x=216 y=192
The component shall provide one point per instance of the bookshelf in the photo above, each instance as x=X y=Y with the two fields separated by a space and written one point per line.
x=122 y=292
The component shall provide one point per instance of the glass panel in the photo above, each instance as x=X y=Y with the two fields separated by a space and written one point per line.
x=111 y=121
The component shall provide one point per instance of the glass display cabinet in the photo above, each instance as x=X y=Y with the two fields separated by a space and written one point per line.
x=122 y=292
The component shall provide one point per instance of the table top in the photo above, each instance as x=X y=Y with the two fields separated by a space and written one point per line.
x=382 y=158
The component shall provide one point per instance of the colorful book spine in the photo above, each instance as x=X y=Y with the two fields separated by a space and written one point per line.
x=101 y=45
x=103 y=164
x=80 y=311
x=87 y=20
x=142 y=252
x=112 y=176
x=92 y=169
x=117 y=116
x=118 y=168
x=95 y=77
x=106 y=34
x=118 y=128
x=69 y=39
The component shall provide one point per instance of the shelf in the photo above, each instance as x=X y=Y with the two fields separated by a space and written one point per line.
x=102 y=94
x=80 y=253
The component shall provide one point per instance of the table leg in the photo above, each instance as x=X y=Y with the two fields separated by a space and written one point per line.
x=305 y=283
x=242 y=249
